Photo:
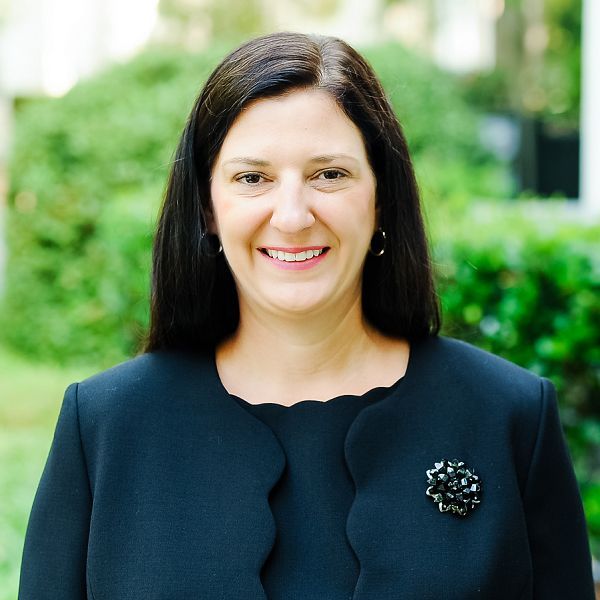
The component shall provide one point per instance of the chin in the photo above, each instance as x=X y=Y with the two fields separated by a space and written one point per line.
x=295 y=306
x=297 y=309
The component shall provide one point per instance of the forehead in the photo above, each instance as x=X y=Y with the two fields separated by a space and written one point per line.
x=303 y=120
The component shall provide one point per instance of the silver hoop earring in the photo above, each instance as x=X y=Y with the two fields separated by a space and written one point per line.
x=208 y=245
x=378 y=241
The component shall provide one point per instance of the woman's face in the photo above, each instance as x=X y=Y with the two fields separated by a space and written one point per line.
x=293 y=199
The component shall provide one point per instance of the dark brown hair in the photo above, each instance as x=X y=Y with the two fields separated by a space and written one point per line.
x=194 y=301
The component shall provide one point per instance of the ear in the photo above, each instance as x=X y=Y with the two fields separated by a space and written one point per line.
x=377 y=215
x=211 y=224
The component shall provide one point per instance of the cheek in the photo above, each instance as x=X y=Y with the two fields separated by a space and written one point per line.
x=214 y=209
x=236 y=220
x=222 y=208
x=354 y=214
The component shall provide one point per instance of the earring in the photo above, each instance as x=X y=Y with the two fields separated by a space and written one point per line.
x=208 y=245
x=377 y=245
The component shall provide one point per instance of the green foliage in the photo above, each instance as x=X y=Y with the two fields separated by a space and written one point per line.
x=437 y=120
x=237 y=20
x=441 y=128
x=86 y=179
x=553 y=79
x=188 y=24
x=528 y=292
x=561 y=75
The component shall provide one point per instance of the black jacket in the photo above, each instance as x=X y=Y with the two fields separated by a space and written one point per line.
x=157 y=484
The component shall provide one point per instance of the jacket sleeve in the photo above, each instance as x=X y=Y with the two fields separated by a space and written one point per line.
x=560 y=553
x=54 y=555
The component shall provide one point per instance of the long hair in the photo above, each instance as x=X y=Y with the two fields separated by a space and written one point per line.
x=194 y=302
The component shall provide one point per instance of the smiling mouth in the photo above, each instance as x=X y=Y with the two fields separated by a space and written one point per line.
x=294 y=256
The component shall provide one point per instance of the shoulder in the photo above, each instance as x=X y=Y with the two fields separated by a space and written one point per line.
x=473 y=378
x=462 y=362
x=458 y=351
x=143 y=384
x=154 y=366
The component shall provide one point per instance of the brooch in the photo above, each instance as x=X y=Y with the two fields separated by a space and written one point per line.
x=454 y=486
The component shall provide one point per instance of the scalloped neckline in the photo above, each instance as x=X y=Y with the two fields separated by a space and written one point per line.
x=377 y=392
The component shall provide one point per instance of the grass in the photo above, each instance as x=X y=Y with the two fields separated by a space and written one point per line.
x=30 y=399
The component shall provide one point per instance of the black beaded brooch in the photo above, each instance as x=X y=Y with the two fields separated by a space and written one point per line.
x=454 y=486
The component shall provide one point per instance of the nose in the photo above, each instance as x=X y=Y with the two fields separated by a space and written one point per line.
x=291 y=208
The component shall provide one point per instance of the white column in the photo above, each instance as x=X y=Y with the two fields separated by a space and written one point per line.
x=590 y=109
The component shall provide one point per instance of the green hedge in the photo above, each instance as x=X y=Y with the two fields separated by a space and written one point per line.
x=87 y=174
x=526 y=289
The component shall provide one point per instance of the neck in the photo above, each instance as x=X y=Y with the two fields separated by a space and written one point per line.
x=299 y=357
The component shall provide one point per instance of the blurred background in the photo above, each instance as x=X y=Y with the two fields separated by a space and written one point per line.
x=498 y=98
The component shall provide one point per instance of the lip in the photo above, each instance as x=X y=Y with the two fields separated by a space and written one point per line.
x=293 y=249
x=311 y=263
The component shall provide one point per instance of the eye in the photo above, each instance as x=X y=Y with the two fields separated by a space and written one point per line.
x=331 y=175
x=250 y=178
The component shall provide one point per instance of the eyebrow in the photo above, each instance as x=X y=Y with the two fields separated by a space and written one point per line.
x=248 y=160
x=321 y=159
x=329 y=158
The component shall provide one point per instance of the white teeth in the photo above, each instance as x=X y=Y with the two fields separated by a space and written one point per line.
x=293 y=257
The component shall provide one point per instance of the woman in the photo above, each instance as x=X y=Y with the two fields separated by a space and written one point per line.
x=295 y=427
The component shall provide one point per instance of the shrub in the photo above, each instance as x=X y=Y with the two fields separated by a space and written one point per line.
x=441 y=127
x=86 y=177
x=527 y=291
